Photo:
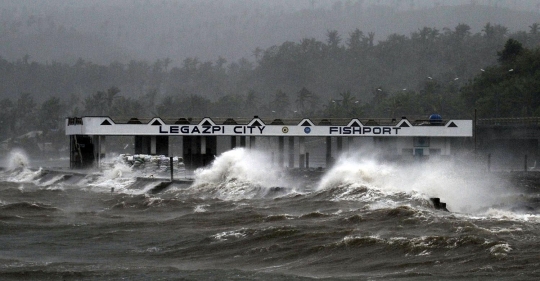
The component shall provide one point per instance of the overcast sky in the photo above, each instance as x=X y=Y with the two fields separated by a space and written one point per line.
x=106 y=30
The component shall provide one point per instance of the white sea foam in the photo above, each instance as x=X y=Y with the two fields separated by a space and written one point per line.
x=200 y=208
x=239 y=174
x=240 y=164
x=51 y=181
x=500 y=250
x=118 y=170
x=16 y=159
x=117 y=184
x=464 y=190
x=23 y=175
x=117 y=176
x=226 y=235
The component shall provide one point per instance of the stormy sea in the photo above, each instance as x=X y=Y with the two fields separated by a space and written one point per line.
x=242 y=218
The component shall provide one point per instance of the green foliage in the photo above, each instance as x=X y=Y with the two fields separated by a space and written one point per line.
x=346 y=106
x=51 y=114
x=511 y=89
x=511 y=50
x=430 y=71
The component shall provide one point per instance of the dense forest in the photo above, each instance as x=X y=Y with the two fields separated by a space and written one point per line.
x=450 y=72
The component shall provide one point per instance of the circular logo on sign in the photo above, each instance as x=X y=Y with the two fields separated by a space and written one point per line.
x=285 y=130
x=307 y=130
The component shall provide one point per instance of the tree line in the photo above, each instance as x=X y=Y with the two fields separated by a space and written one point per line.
x=450 y=72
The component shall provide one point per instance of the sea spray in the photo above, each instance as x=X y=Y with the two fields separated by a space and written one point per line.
x=17 y=159
x=117 y=170
x=464 y=189
x=238 y=174
x=116 y=175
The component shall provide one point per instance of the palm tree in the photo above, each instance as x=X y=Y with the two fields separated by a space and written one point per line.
x=534 y=28
x=301 y=97
x=280 y=103
x=347 y=100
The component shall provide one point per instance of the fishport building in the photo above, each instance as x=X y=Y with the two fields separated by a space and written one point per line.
x=397 y=138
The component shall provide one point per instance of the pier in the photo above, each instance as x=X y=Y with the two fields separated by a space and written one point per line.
x=200 y=136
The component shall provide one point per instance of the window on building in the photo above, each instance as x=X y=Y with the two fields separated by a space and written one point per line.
x=421 y=142
x=407 y=151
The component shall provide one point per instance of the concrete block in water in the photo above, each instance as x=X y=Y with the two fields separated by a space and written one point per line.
x=437 y=204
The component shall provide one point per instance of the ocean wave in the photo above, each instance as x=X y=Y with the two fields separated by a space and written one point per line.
x=241 y=174
x=422 y=245
x=28 y=206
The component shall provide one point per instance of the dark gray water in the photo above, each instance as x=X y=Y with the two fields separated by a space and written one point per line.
x=243 y=220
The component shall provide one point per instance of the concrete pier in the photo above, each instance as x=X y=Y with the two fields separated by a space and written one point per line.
x=200 y=137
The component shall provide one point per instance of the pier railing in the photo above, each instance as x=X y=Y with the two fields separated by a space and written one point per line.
x=525 y=121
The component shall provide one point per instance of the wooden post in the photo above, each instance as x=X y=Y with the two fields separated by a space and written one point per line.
x=489 y=162
x=171 y=167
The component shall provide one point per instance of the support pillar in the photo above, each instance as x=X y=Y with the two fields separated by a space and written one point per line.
x=281 y=148
x=349 y=145
x=203 y=145
x=328 y=152
x=210 y=149
x=252 y=142
x=153 y=145
x=98 y=154
x=187 y=151
x=82 y=153
x=203 y=151
x=143 y=145
x=233 y=142
x=301 y=152
x=162 y=145
x=197 y=159
x=291 y=152
x=243 y=141
x=339 y=146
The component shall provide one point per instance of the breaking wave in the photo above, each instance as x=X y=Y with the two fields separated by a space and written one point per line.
x=464 y=190
x=240 y=174
x=17 y=159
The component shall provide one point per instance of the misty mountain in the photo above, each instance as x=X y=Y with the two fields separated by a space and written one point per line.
x=103 y=32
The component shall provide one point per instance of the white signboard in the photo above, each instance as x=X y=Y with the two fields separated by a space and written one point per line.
x=106 y=126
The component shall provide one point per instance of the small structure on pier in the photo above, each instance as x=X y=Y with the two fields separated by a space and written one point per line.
x=403 y=137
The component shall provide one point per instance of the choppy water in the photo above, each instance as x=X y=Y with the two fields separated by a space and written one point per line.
x=244 y=220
